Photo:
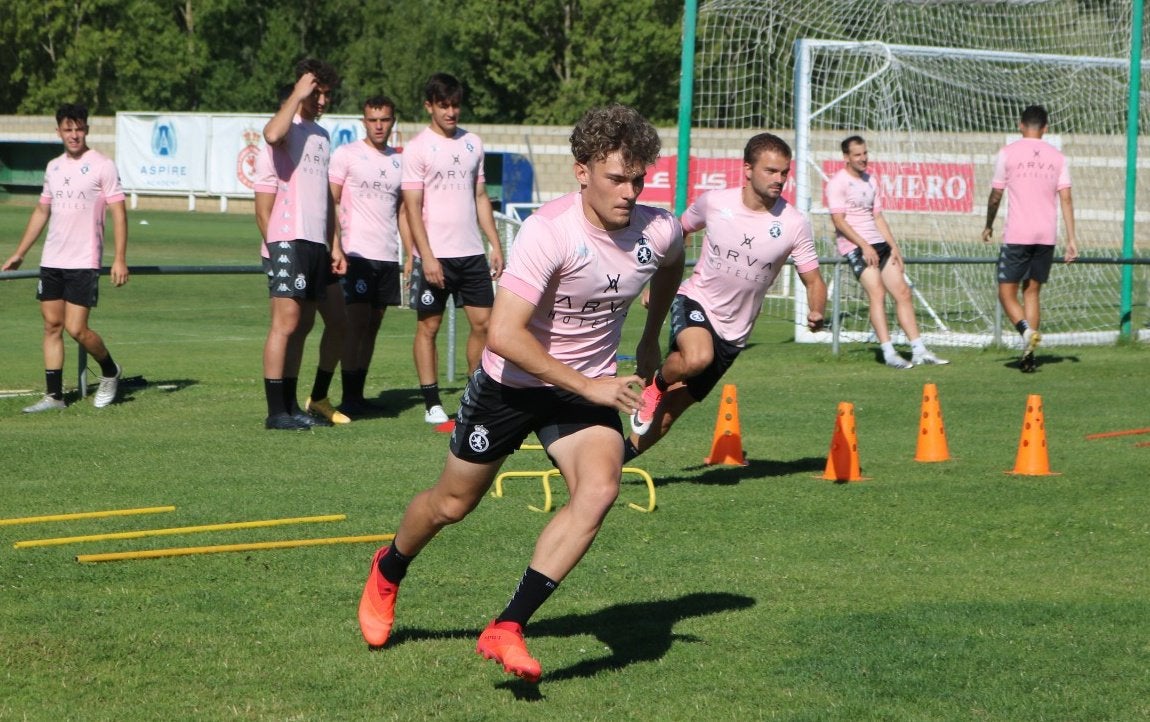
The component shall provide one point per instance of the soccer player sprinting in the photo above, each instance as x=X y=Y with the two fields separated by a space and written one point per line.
x=298 y=230
x=365 y=181
x=1034 y=175
x=549 y=367
x=79 y=187
x=864 y=237
x=750 y=233
x=444 y=197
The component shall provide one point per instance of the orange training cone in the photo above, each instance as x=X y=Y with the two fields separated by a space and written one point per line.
x=1032 y=459
x=727 y=444
x=931 y=433
x=843 y=459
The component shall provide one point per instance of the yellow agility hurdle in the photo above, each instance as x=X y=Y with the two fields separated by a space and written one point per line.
x=86 y=515
x=545 y=477
x=139 y=533
x=255 y=546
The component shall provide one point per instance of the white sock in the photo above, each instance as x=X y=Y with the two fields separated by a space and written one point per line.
x=917 y=346
x=888 y=350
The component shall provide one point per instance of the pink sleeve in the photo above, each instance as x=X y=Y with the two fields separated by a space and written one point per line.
x=46 y=192
x=999 y=179
x=414 y=167
x=877 y=207
x=533 y=260
x=337 y=168
x=1064 y=175
x=110 y=183
x=265 y=180
x=836 y=195
x=695 y=217
x=480 y=178
x=803 y=252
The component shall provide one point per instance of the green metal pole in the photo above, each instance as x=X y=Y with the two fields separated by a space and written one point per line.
x=1132 y=122
x=686 y=109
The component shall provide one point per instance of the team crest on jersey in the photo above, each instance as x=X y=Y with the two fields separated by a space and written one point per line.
x=427 y=297
x=478 y=440
x=84 y=169
x=300 y=282
x=697 y=316
x=470 y=148
x=361 y=286
x=643 y=252
x=776 y=229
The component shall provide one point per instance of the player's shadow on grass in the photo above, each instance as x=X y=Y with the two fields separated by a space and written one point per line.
x=633 y=632
x=1043 y=360
x=131 y=385
x=755 y=469
x=392 y=402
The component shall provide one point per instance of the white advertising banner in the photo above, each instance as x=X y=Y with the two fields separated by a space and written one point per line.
x=202 y=153
x=162 y=152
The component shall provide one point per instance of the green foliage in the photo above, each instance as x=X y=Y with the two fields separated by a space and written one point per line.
x=523 y=61
x=928 y=592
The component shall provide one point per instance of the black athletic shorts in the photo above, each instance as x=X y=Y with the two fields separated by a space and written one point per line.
x=858 y=262
x=299 y=270
x=369 y=281
x=687 y=313
x=1024 y=262
x=467 y=278
x=78 y=286
x=494 y=419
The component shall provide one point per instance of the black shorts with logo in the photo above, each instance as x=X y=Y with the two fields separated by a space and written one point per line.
x=467 y=278
x=1024 y=262
x=78 y=286
x=687 y=313
x=858 y=262
x=299 y=270
x=493 y=419
x=369 y=281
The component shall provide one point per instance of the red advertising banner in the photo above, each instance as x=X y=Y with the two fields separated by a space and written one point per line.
x=929 y=187
x=706 y=174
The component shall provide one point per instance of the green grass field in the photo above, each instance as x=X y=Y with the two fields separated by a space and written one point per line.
x=928 y=592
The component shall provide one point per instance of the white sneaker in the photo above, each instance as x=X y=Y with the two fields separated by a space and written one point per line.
x=898 y=362
x=926 y=358
x=45 y=404
x=436 y=415
x=1030 y=341
x=106 y=392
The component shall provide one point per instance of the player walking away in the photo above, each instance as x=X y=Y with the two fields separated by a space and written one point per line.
x=79 y=187
x=298 y=230
x=1033 y=173
x=444 y=195
x=750 y=232
x=864 y=237
x=549 y=367
x=365 y=185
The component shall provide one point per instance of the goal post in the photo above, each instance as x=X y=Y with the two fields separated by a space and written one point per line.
x=936 y=88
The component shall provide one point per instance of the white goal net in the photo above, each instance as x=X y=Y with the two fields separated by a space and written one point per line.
x=936 y=88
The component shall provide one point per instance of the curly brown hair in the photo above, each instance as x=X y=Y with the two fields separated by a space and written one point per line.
x=604 y=130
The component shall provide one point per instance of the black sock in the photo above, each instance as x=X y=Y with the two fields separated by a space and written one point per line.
x=393 y=565
x=54 y=381
x=660 y=382
x=1022 y=326
x=322 y=384
x=290 y=392
x=533 y=590
x=430 y=395
x=353 y=383
x=629 y=450
x=273 y=390
x=107 y=366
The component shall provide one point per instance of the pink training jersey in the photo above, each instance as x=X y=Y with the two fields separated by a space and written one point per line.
x=447 y=171
x=265 y=181
x=77 y=191
x=859 y=199
x=300 y=163
x=369 y=203
x=743 y=252
x=581 y=280
x=1032 y=171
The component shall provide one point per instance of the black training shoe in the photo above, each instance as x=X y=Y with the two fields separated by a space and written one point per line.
x=285 y=422
x=1027 y=364
x=309 y=420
